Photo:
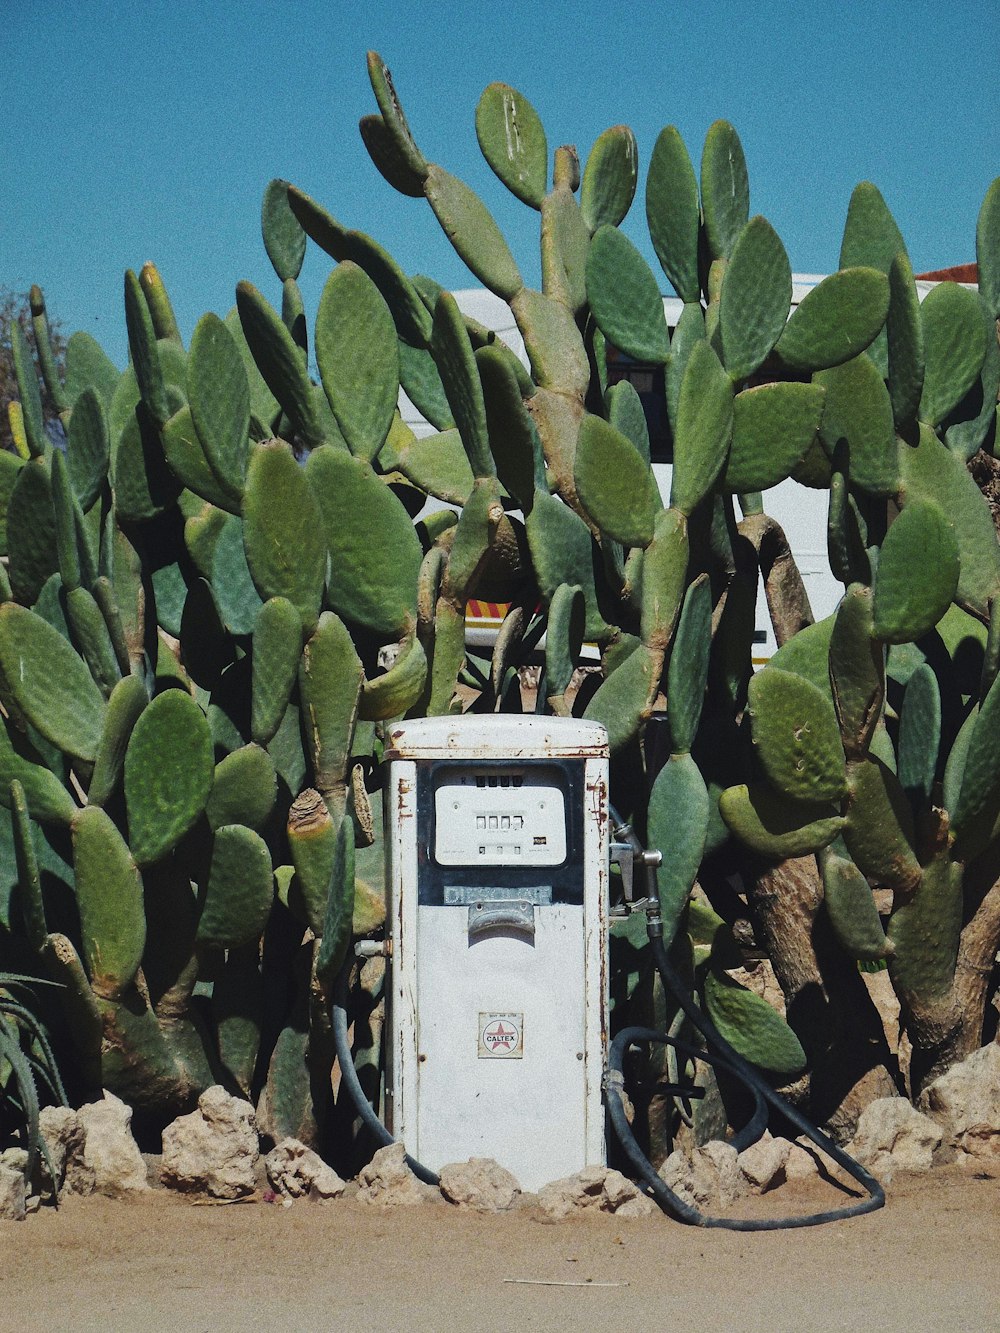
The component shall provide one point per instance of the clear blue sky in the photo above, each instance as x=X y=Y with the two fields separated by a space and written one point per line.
x=148 y=130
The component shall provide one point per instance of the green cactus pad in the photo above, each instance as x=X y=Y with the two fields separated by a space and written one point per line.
x=31 y=531
x=383 y=150
x=244 y=789
x=49 y=683
x=413 y=320
x=371 y=582
x=421 y=382
x=905 y=333
x=988 y=249
x=623 y=408
x=560 y=546
x=972 y=425
x=752 y=1027
x=219 y=397
x=392 y=115
x=512 y=140
x=664 y=574
x=284 y=239
x=871 y=236
x=872 y=239
x=615 y=484
x=239 y=889
x=10 y=465
x=513 y=438
x=264 y=407
x=109 y=896
x=357 y=358
x=797 y=738
x=918 y=572
x=283 y=530
x=92 y=638
x=625 y=297
x=919 y=735
x=456 y=363
x=63 y=505
x=755 y=298
x=687 y=673
x=677 y=822
x=954 y=348
x=564 y=638
x=169 y=770
x=725 y=190
x=339 y=915
x=89 y=367
x=773 y=427
x=277 y=647
x=933 y=472
x=280 y=362
x=925 y=934
x=981 y=773
x=775 y=825
x=879 y=831
x=565 y=241
x=28 y=878
x=330 y=676
x=437 y=464
x=858 y=409
x=704 y=428
x=27 y=390
x=398 y=690
x=807 y=653
x=609 y=178
x=127 y=701
x=187 y=460
x=234 y=590
x=851 y=908
x=836 y=321
x=144 y=352
x=623 y=701
x=470 y=227
x=857 y=670
x=47 y=798
x=88 y=447
x=673 y=212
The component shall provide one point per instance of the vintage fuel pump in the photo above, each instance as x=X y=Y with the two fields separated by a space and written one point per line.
x=497 y=886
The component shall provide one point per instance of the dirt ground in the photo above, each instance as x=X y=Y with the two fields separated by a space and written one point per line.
x=927 y=1261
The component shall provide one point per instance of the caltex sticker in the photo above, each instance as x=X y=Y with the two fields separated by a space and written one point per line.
x=501 y=1036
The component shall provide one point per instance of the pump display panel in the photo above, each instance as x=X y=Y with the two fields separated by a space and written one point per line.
x=519 y=826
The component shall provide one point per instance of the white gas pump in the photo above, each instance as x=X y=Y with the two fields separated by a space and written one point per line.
x=497 y=886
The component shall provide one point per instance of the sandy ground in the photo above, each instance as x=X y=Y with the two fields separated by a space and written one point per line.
x=928 y=1260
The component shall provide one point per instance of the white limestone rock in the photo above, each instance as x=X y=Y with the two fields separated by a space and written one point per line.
x=762 y=1165
x=388 y=1182
x=894 y=1136
x=480 y=1184
x=965 y=1102
x=708 y=1177
x=100 y=1156
x=13 y=1194
x=599 y=1188
x=213 y=1150
x=297 y=1172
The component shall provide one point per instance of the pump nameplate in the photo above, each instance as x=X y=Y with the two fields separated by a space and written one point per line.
x=501 y=1036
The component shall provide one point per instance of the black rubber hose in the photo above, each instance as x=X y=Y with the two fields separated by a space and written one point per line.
x=349 y=1075
x=718 y=1046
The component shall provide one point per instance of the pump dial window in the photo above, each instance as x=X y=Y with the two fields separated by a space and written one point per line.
x=499 y=818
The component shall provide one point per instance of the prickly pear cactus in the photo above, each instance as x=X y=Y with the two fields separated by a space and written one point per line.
x=231 y=582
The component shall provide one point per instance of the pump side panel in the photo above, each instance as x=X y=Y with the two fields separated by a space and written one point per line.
x=501 y=1044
